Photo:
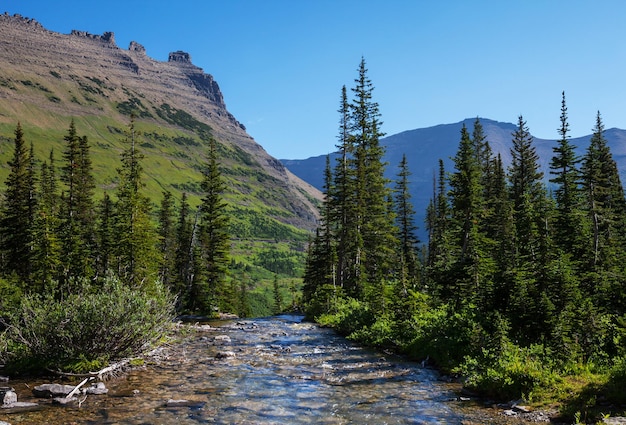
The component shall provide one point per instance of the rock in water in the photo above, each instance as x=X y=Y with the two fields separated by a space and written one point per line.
x=52 y=390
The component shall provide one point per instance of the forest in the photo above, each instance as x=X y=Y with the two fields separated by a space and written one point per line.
x=83 y=281
x=519 y=289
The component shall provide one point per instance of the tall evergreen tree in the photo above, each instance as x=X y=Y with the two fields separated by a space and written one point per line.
x=473 y=264
x=606 y=210
x=167 y=235
x=46 y=245
x=137 y=255
x=214 y=237
x=17 y=218
x=105 y=236
x=77 y=215
x=568 y=214
x=530 y=211
x=405 y=219
x=374 y=215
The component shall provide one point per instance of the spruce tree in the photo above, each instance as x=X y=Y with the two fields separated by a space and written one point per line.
x=137 y=257
x=605 y=207
x=167 y=242
x=214 y=236
x=407 y=229
x=77 y=216
x=105 y=236
x=46 y=249
x=567 y=193
x=374 y=217
x=17 y=218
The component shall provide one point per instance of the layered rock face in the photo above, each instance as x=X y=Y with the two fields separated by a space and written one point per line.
x=85 y=74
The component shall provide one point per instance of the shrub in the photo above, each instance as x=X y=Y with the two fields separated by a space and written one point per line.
x=351 y=316
x=97 y=323
x=512 y=373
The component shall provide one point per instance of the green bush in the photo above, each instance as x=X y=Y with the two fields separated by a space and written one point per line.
x=351 y=316
x=98 y=323
x=513 y=373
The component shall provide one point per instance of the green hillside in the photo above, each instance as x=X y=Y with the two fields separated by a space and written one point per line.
x=59 y=78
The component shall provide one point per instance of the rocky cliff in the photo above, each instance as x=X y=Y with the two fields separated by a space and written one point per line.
x=47 y=78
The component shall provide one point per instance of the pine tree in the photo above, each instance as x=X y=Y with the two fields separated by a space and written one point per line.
x=407 y=229
x=18 y=207
x=77 y=218
x=529 y=308
x=46 y=249
x=473 y=262
x=568 y=214
x=343 y=207
x=606 y=211
x=167 y=235
x=214 y=237
x=374 y=216
x=137 y=256
x=184 y=252
x=105 y=236
x=527 y=193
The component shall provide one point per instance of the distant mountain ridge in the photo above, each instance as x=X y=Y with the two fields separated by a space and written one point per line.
x=425 y=146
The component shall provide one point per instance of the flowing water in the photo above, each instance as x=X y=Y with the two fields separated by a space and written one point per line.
x=276 y=370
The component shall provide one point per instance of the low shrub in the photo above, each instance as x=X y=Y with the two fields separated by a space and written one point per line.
x=91 y=326
x=513 y=373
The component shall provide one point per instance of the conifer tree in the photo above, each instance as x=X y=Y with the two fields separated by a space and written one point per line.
x=343 y=207
x=105 y=236
x=605 y=207
x=46 y=245
x=184 y=253
x=167 y=235
x=405 y=218
x=529 y=308
x=77 y=219
x=473 y=262
x=214 y=237
x=137 y=255
x=568 y=214
x=18 y=207
x=374 y=215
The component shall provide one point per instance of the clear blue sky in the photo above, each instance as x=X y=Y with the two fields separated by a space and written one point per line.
x=281 y=63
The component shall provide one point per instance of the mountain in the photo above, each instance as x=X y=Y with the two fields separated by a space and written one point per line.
x=48 y=79
x=424 y=147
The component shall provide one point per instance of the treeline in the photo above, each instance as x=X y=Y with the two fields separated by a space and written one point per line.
x=55 y=236
x=519 y=283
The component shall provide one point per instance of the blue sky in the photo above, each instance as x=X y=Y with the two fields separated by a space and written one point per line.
x=281 y=63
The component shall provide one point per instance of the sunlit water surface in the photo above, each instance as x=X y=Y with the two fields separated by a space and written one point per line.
x=276 y=370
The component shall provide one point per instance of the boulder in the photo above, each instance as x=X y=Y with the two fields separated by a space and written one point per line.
x=52 y=390
x=8 y=396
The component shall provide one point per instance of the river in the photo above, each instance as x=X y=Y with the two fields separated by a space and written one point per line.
x=276 y=370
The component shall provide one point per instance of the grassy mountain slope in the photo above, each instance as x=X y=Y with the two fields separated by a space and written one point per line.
x=47 y=79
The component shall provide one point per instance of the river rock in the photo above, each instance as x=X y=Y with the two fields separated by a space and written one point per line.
x=224 y=354
x=618 y=420
x=97 y=389
x=52 y=390
x=222 y=338
x=8 y=396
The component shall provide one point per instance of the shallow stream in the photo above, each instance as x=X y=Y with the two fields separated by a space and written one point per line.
x=276 y=370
